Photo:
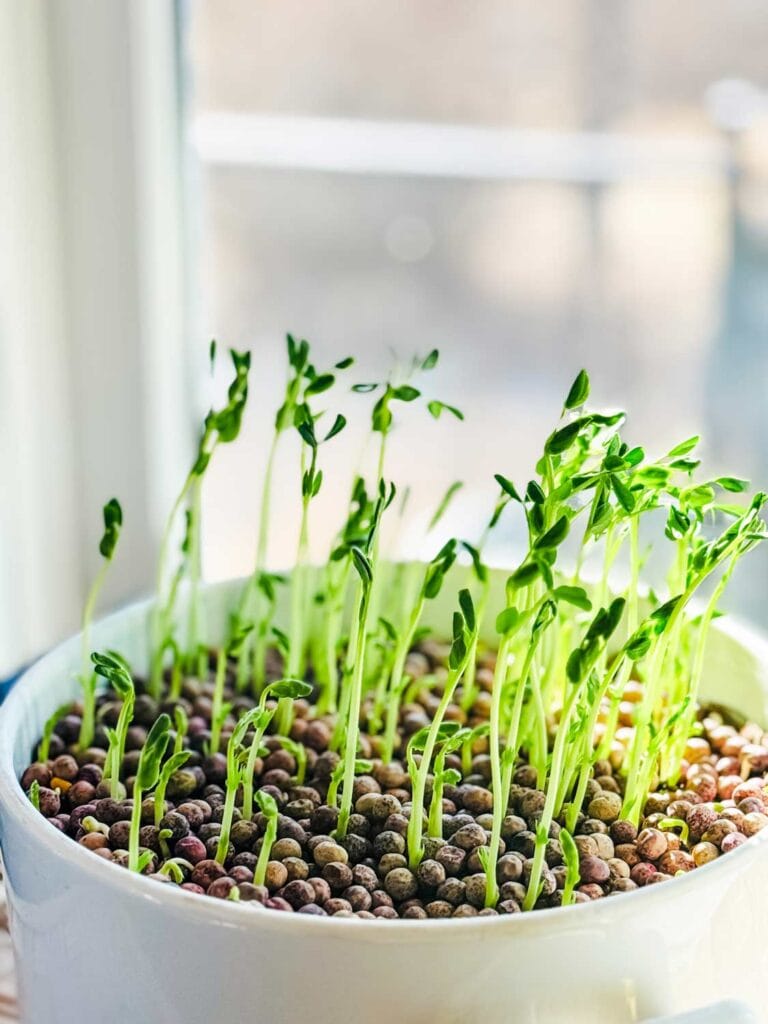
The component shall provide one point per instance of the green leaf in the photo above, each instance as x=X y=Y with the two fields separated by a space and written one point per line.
x=115 y=670
x=338 y=425
x=661 y=615
x=634 y=456
x=307 y=431
x=468 y=609
x=344 y=364
x=238 y=638
x=576 y=596
x=545 y=617
x=562 y=439
x=320 y=384
x=406 y=393
x=573 y=667
x=507 y=620
x=507 y=486
x=267 y=804
x=638 y=644
x=555 y=535
x=436 y=408
x=457 y=653
x=613 y=618
x=481 y=570
x=113 y=520
x=364 y=389
x=362 y=566
x=152 y=753
x=625 y=497
x=524 y=575
x=534 y=493
x=293 y=688
x=684 y=447
x=732 y=483
x=418 y=741
x=381 y=417
x=685 y=465
x=579 y=392
x=430 y=362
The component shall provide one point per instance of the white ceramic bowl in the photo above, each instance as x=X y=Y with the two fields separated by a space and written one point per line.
x=94 y=943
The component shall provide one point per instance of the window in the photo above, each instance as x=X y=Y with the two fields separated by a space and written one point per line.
x=531 y=188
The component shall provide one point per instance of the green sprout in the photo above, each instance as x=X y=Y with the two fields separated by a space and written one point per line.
x=115 y=670
x=571 y=860
x=147 y=775
x=34 y=794
x=177 y=760
x=281 y=689
x=434 y=576
x=443 y=777
x=311 y=481
x=268 y=808
x=113 y=520
x=303 y=383
x=299 y=753
x=362 y=767
x=220 y=427
x=464 y=629
x=229 y=651
x=361 y=560
x=44 y=749
x=672 y=823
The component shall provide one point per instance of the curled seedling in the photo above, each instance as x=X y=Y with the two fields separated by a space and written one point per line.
x=114 y=669
x=268 y=808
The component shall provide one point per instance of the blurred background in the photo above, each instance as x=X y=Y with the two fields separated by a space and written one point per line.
x=531 y=188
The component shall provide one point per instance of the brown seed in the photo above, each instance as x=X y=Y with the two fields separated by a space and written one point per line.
x=329 y=853
x=285 y=848
x=439 y=908
x=628 y=853
x=276 y=875
x=753 y=823
x=676 y=860
x=703 y=853
x=730 y=842
x=606 y=806
x=651 y=844
x=401 y=884
x=641 y=872
x=717 y=832
x=592 y=869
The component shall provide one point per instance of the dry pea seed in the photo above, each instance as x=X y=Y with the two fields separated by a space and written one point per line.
x=401 y=884
x=283 y=848
x=703 y=853
x=586 y=846
x=330 y=853
x=651 y=843
x=606 y=806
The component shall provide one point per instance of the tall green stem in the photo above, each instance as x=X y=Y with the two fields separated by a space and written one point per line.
x=353 y=715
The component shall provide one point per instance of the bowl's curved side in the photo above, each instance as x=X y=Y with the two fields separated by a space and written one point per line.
x=93 y=924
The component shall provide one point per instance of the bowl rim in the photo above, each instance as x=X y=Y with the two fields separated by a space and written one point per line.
x=18 y=813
